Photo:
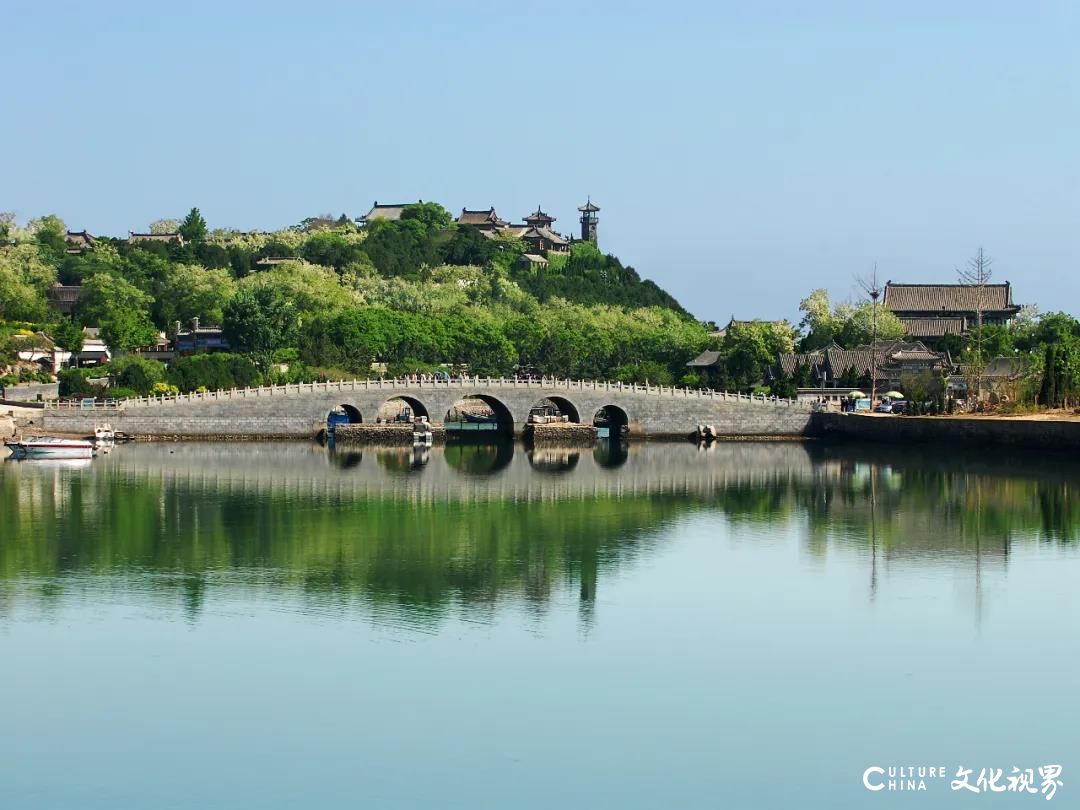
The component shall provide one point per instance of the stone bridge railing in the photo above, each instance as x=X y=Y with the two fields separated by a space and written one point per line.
x=406 y=385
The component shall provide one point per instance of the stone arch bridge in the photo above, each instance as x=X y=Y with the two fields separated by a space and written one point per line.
x=301 y=410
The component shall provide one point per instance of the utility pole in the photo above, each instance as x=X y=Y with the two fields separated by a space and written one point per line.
x=871 y=287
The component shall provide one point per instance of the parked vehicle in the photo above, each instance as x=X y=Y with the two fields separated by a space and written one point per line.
x=900 y=406
x=884 y=407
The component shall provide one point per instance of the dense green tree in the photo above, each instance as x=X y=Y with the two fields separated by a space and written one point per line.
x=119 y=309
x=24 y=280
x=68 y=335
x=73 y=383
x=862 y=322
x=997 y=341
x=468 y=245
x=7 y=226
x=188 y=291
x=751 y=347
x=849 y=325
x=193 y=227
x=401 y=248
x=137 y=373
x=260 y=320
x=50 y=233
x=333 y=249
x=431 y=215
x=216 y=371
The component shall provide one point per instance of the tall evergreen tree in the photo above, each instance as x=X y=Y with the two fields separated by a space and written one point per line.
x=193 y=228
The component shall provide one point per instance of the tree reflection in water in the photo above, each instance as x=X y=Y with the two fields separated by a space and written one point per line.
x=484 y=527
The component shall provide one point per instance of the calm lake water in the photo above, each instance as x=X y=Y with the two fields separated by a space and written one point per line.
x=279 y=626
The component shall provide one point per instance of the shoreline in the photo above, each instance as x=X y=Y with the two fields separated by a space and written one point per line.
x=1043 y=435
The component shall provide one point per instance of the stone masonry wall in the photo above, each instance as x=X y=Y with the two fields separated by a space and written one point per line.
x=1029 y=433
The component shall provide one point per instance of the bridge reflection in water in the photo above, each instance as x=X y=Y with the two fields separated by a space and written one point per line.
x=417 y=534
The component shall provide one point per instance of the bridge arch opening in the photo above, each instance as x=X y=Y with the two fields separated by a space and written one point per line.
x=352 y=413
x=341 y=415
x=554 y=408
x=614 y=419
x=479 y=414
x=401 y=409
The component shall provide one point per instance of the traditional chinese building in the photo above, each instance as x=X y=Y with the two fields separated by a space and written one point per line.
x=485 y=220
x=889 y=360
x=932 y=311
x=199 y=339
x=538 y=219
x=79 y=241
x=390 y=211
x=589 y=221
x=64 y=299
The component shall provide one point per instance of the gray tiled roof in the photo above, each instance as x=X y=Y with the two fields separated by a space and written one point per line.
x=947 y=298
x=790 y=363
x=705 y=360
x=542 y=233
x=1004 y=367
x=934 y=327
x=386 y=211
x=485 y=217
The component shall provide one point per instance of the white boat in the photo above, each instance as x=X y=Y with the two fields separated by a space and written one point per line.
x=104 y=433
x=51 y=447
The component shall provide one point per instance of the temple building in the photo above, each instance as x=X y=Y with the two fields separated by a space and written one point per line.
x=485 y=220
x=391 y=211
x=79 y=241
x=932 y=311
x=538 y=219
x=537 y=230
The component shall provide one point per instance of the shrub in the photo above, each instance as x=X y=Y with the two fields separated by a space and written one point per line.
x=137 y=373
x=164 y=389
x=121 y=392
x=73 y=383
x=213 y=372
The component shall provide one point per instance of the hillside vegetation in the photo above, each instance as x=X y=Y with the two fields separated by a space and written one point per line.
x=413 y=294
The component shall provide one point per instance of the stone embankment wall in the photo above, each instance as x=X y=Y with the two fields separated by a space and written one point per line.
x=384 y=435
x=561 y=434
x=30 y=392
x=1028 y=433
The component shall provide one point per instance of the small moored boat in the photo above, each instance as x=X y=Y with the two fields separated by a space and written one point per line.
x=50 y=447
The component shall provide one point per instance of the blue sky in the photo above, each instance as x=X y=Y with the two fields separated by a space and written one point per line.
x=741 y=153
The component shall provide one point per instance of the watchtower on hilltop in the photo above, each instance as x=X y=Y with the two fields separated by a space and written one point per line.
x=589 y=221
